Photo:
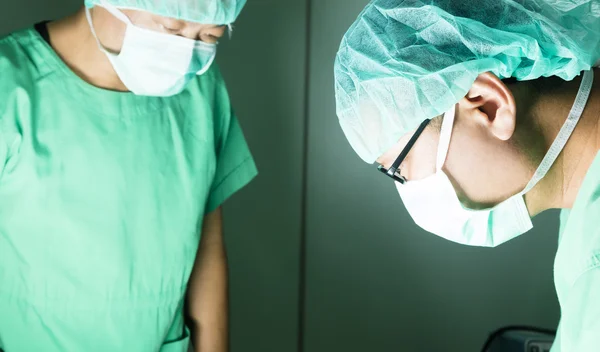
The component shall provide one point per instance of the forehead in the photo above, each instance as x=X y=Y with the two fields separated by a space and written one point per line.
x=147 y=15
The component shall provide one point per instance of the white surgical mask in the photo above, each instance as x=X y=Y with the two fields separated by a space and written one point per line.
x=156 y=64
x=434 y=205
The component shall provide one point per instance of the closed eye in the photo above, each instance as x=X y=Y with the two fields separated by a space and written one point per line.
x=170 y=30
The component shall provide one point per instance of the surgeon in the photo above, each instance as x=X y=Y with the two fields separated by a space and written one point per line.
x=486 y=115
x=118 y=146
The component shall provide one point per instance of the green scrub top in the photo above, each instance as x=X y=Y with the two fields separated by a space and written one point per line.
x=577 y=269
x=102 y=198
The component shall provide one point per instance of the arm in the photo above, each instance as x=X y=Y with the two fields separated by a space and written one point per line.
x=207 y=289
x=580 y=322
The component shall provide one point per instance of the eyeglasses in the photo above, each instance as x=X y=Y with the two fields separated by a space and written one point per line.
x=394 y=170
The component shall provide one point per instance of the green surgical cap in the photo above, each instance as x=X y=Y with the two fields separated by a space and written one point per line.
x=404 y=61
x=199 y=11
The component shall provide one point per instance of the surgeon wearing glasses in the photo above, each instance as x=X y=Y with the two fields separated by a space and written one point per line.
x=484 y=116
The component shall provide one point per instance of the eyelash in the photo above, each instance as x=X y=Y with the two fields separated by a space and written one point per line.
x=210 y=36
x=206 y=35
x=170 y=30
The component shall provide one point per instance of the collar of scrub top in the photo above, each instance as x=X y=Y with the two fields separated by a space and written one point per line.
x=394 y=170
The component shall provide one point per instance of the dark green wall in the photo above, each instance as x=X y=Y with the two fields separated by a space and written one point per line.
x=264 y=67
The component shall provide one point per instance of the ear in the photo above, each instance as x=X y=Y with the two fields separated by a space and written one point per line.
x=492 y=104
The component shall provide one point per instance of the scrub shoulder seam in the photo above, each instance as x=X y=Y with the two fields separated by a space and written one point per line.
x=226 y=177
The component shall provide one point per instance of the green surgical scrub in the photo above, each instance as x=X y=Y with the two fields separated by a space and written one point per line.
x=102 y=198
x=577 y=269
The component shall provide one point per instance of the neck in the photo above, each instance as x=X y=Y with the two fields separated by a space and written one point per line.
x=561 y=185
x=74 y=43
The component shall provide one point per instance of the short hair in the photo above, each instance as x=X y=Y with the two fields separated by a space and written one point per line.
x=436 y=123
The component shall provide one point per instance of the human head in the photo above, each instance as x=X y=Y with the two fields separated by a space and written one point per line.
x=157 y=47
x=203 y=20
x=433 y=202
x=497 y=140
x=403 y=62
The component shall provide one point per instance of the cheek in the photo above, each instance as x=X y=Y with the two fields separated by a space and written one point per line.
x=420 y=162
x=484 y=171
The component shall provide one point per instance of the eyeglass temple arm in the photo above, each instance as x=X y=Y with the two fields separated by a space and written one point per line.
x=392 y=170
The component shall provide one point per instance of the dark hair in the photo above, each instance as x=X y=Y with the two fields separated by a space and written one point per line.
x=436 y=123
x=509 y=80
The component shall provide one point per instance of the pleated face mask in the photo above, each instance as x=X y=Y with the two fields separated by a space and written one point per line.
x=434 y=206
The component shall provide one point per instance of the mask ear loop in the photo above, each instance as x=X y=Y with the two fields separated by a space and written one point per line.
x=208 y=64
x=566 y=130
x=445 y=134
x=113 y=11
x=88 y=15
x=116 y=12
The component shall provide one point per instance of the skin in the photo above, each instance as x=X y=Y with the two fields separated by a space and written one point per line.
x=72 y=39
x=208 y=288
x=502 y=131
